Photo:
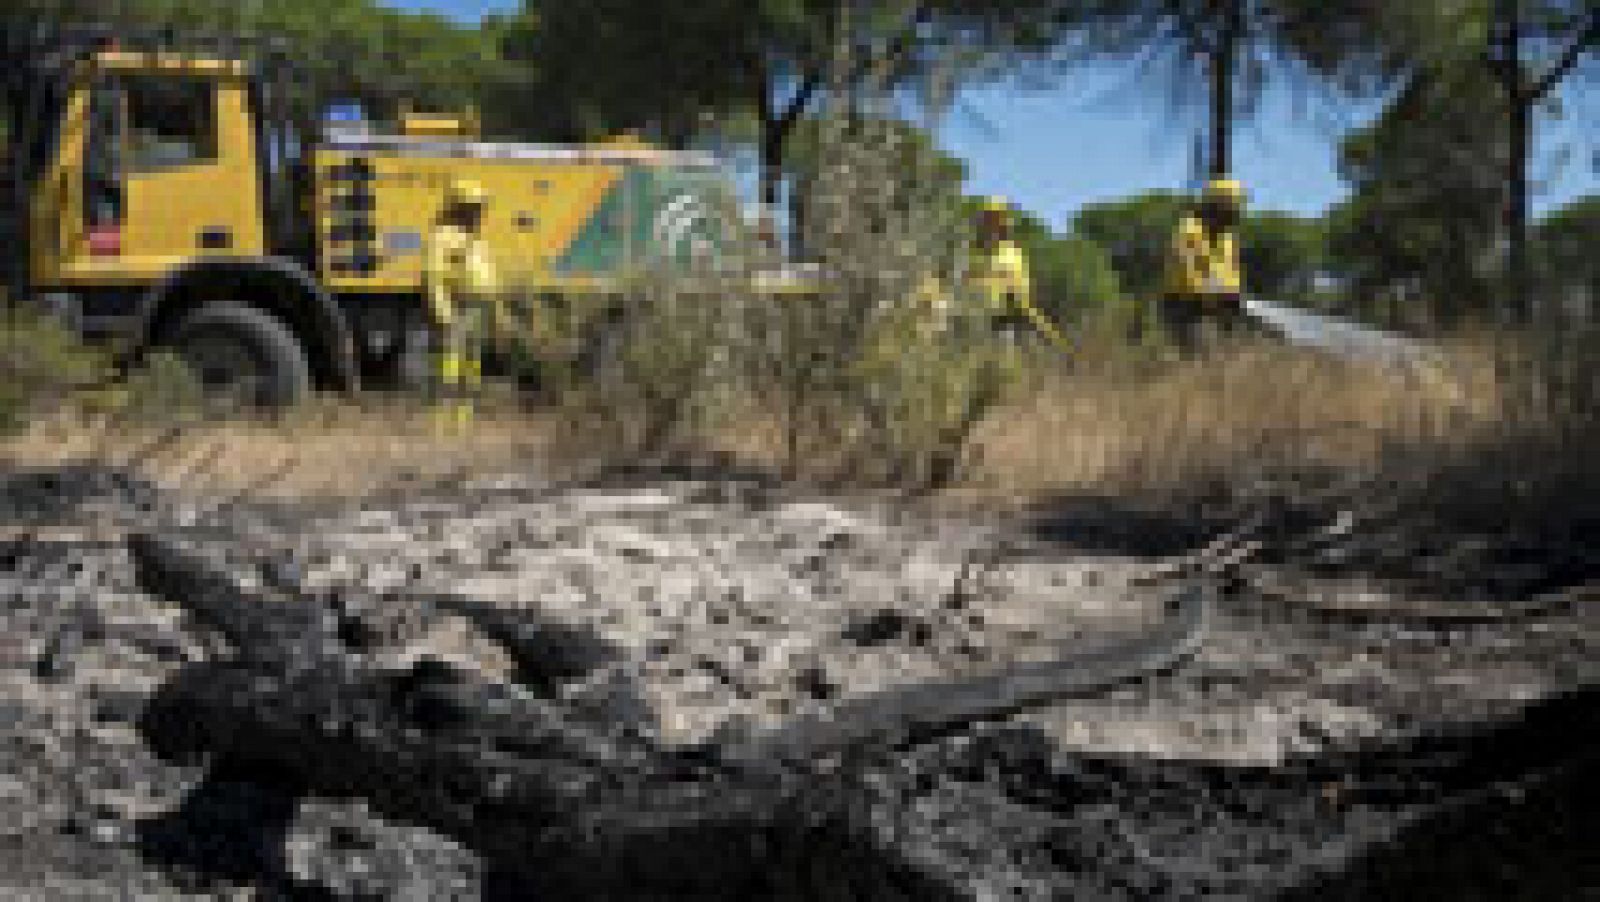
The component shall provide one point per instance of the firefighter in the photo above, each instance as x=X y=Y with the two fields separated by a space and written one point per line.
x=986 y=321
x=463 y=300
x=999 y=277
x=1204 y=282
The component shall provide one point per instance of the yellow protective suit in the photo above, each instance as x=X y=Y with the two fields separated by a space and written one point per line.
x=1203 y=264
x=1203 y=279
x=463 y=302
x=1002 y=287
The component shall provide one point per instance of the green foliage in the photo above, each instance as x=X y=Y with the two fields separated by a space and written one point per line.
x=44 y=368
x=358 y=49
x=1435 y=174
x=856 y=370
x=589 y=69
x=364 y=50
x=755 y=68
x=1483 y=73
x=1220 y=56
x=162 y=390
x=40 y=366
x=862 y=364
x=915 y=149
x=1425 y=213
x=1564 y=252
x=1136 y=232
x=1282 y=253
x=1075 y=280
x=659 y=379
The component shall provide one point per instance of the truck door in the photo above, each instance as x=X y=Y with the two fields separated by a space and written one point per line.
x=169 y=174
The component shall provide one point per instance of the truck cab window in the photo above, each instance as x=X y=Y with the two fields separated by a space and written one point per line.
x=171 y=122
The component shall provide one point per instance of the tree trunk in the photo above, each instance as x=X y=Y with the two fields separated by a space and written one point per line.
x=1517 y=208
x=776 y=127
x=1224 y=65
x=774 y=131
x=1506 y=55
x=770 y=146
x=1524 y=91
x=798 y=214
x=14 y=190
x=771 y=165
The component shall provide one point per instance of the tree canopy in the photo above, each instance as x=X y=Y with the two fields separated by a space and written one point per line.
x=1136 y=233
x=668 y=67
x=357 y=49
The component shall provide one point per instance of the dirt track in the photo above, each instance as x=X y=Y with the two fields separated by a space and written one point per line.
x=694 y=611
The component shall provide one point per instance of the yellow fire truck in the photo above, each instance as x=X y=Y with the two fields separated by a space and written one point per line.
x=177 y=199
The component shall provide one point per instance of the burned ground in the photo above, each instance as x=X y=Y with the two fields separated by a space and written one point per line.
x=517 y=686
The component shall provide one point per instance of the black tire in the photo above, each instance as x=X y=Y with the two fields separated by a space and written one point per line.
x=243 y=355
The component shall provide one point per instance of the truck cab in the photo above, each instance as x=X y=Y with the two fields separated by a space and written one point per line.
x=158 y=205
x=156 y=165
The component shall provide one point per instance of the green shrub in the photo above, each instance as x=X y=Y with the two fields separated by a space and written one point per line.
x=44 y=368
x=859 y=372
x=161 y=389
x=41 y=365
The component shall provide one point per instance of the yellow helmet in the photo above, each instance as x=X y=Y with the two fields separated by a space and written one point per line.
x=1229 y=192
x=994 y=217
x=466 y=193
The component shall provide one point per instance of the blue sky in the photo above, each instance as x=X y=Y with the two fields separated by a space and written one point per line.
x=1099 y=134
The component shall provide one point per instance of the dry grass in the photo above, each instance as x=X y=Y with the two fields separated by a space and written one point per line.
x=1114 y=427
x=328 y=451
x=1135 y=427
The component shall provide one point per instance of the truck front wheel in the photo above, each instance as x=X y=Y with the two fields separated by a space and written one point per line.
x=243 y=355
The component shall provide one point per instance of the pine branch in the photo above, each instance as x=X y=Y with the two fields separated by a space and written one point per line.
x=1588 y=37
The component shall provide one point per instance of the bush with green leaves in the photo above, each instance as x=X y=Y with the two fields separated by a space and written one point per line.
x=41 y=365
x=865 y=362
x=45 y=369
x=162 y=389
x=874 y=364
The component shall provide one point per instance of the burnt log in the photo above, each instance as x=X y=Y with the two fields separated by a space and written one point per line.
x=557 y=807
